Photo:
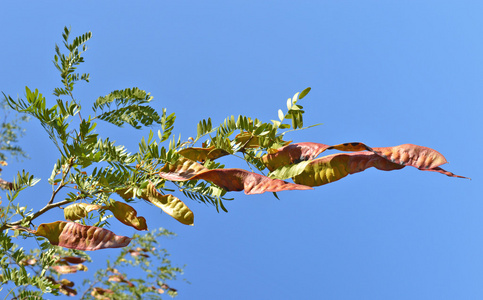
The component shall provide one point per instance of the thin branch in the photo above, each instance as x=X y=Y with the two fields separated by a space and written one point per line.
x=89 y=288
x=292 y=130
x=54 y=193
x=37 y=214
x=61 y=184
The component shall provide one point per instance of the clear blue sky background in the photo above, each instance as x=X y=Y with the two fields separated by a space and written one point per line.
x=382 y=72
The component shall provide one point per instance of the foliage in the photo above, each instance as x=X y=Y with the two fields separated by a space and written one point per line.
x=98 y=170
x=48 y=268
x=10 y=133
x=116 y=280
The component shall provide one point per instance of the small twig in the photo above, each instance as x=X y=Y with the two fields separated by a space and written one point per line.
x=248 y=163
x=61 y=184
x=90 y=287
x=302 y=128
x=37 y=214
x=54 y=193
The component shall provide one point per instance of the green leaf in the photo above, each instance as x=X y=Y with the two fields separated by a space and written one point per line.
x=289 y=103
x=129 y=109
x=289 y=171
x=304 y=93
x=276 y=123
x=295 y=98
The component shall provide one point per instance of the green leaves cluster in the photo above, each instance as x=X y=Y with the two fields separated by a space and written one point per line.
x=67 y=63
x=125 y=106
x=254 y=136
x=15 y=270
x=15 y=209
x=295 y=112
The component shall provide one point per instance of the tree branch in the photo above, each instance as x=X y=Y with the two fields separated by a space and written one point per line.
x=35 y=215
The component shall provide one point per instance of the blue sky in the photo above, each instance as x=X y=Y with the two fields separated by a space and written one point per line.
x=382 y=72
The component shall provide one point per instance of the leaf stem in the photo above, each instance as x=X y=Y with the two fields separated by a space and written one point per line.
x=10 y=292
